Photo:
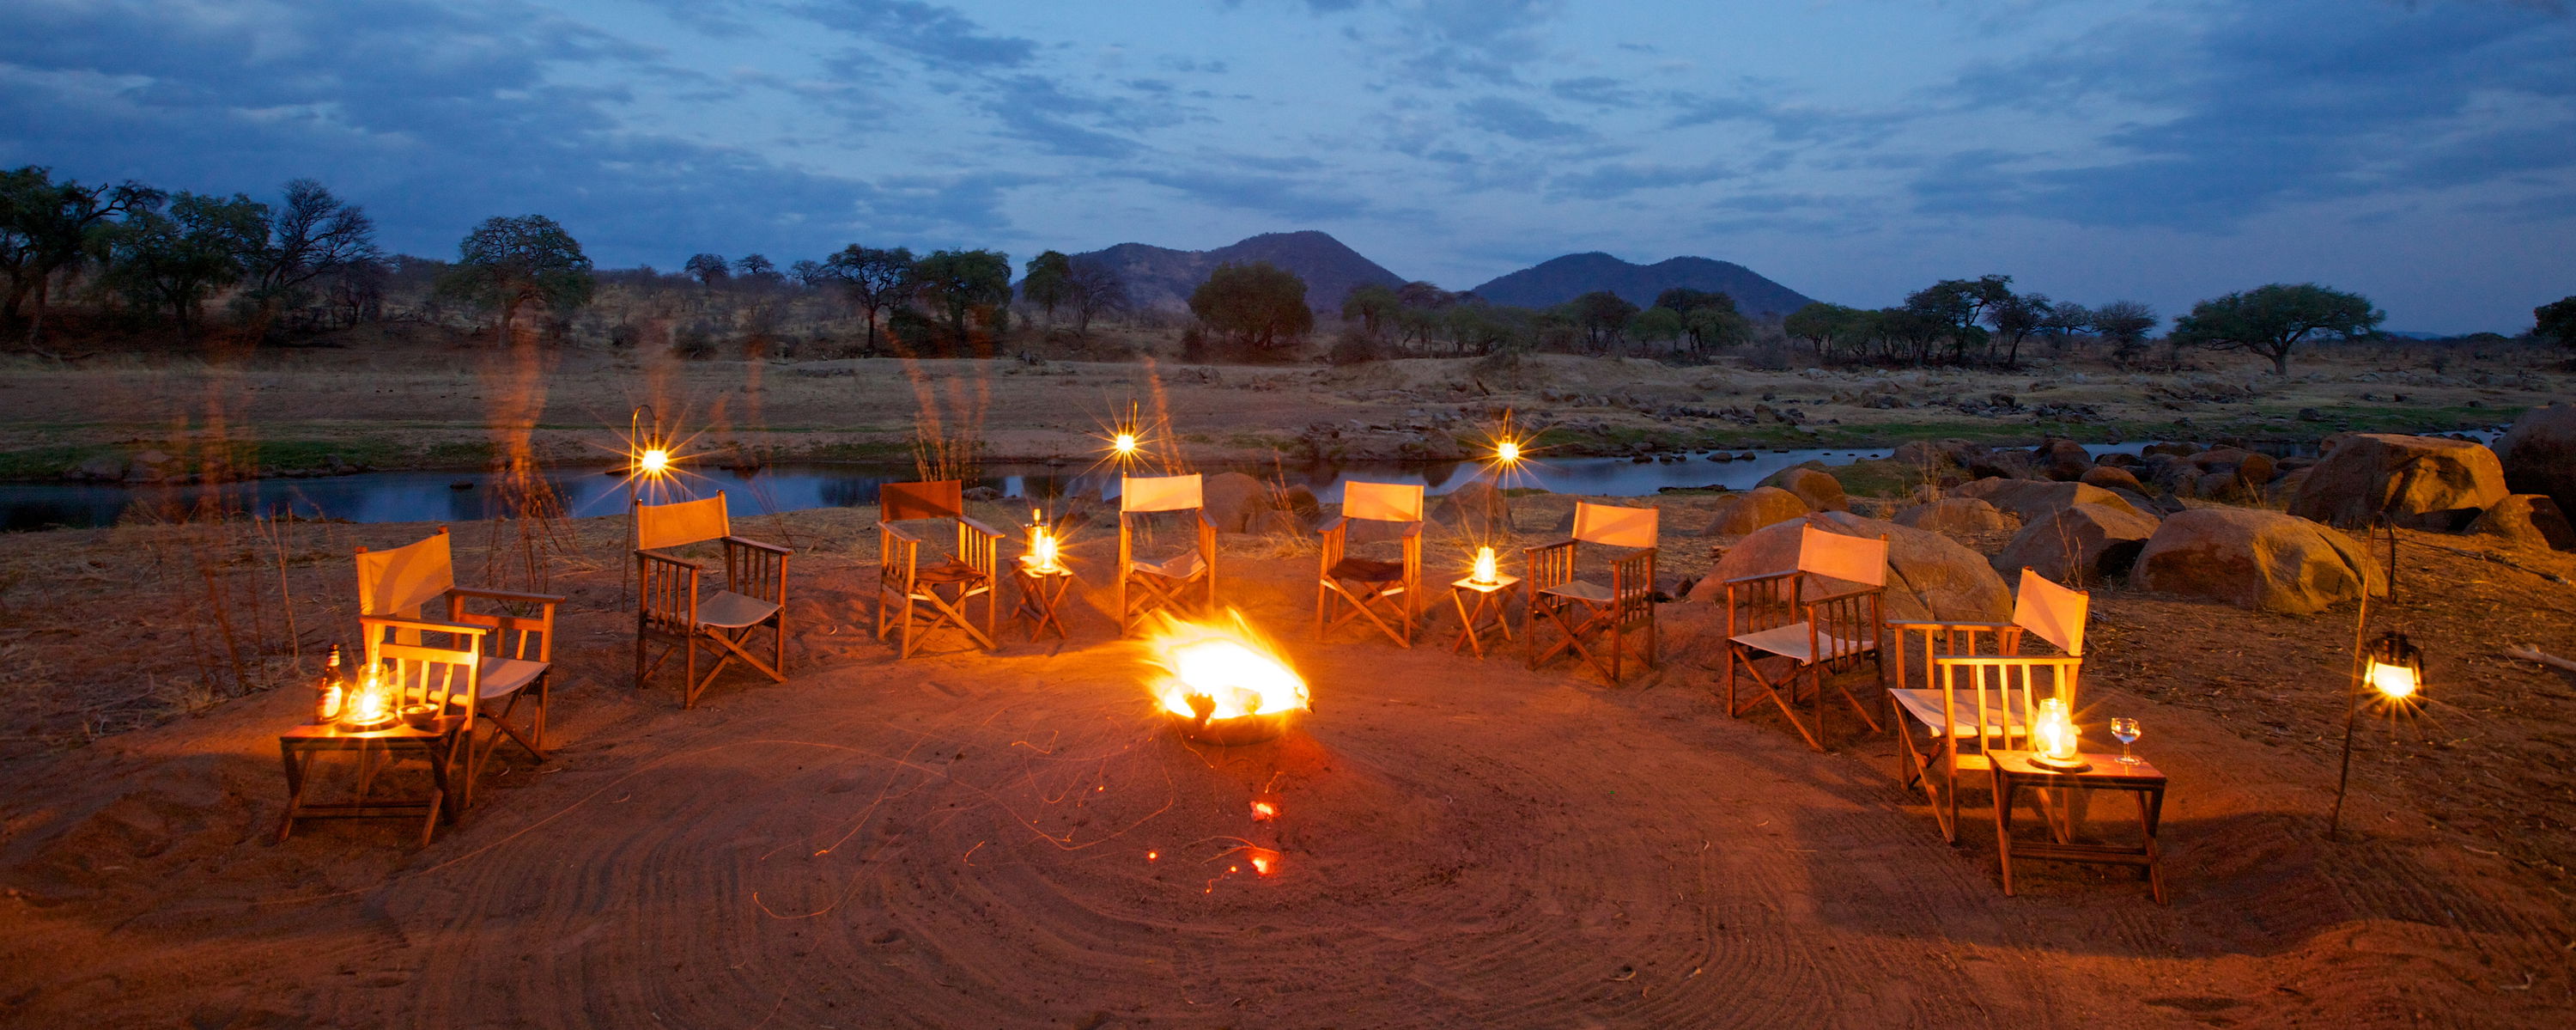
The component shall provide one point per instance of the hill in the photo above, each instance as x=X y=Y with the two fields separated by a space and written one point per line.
x=1562 y=279
x=1163 y=277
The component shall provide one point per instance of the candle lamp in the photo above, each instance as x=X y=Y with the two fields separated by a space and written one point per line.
x=2053 y=738
x=1486 y=573
x=370 y=706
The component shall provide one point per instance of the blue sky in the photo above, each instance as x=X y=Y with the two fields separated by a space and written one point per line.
x=2423 y=153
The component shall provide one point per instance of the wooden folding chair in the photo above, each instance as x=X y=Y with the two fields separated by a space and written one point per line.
x=1583 y=610
x=1775 y=616
x=1386 y=593
x=517 y=645
x=1145 y=586
x=918 y=598
x=669 y=607
x=1978 y=702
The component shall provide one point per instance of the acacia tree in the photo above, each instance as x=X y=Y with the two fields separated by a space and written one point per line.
x=1709 y=319
x=874 y=279
x=177 y=259
x=1373 y=305
x=965 y=288
x=1259 y=304
x=509 y=263
x=2273 y=320
x=1045 y=284
x=313 y=235
x=756 y=267
x=47 y=227
x=1093 y=289
x=2556 y=322
x=707 y=269
x=1603 y=316
x=1956 y=305
x=2016 y=317
x=2125 y=323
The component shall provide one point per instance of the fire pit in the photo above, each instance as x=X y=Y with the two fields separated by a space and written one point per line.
x=1223 y=683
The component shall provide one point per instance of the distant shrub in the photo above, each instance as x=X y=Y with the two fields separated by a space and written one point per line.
x=1771 y=356
x=1357 y=349
x=693 y=343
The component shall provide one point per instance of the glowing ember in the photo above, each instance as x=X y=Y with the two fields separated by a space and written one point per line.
x=1264 y=811
x=1486 y=573
x=1264 y=861
x=1221 y=673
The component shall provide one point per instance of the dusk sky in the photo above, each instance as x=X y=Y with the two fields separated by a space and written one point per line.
x=2422 y=153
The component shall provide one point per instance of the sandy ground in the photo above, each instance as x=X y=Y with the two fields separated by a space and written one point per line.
x=964 y=839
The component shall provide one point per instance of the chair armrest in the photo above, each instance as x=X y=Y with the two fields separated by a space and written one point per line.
x=1204 y=520
x=1331 y=524
x=980 y=526
x=1567 y=542
x=508 y=595
x=734 y=541
x=1413 y=528
x=899 y=532
x=1758 y=577
x=669 y=559
x=1946 y=627
x=1847 y=594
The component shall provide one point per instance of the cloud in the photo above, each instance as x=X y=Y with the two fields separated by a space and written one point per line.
x=1596 y=90
x=938 y=36
x=1518 y=120
x=1608 y=181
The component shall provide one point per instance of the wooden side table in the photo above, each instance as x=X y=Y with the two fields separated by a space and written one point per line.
x=1041 y=594
x=298 y=747
x=1492 y=610
x=2013 y=770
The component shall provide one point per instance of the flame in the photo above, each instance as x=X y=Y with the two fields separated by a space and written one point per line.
x=1225 y=666
x=2395 y=682
x=2053 y=733
x=372 y=705
x=1485 y=572
x=1042 y=551
x=1507 y=452
x=1264 y=861
x=1264 y=811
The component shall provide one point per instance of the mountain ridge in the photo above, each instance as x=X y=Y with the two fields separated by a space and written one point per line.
x=1564 y=278
x=1162 y=277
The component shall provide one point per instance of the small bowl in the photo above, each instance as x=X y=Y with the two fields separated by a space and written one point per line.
x=420 y=717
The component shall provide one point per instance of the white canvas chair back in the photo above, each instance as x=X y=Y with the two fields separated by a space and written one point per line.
x=1611 y=525
x=398 y=582
x=2052 y=611
x=1382 y=502
x=1848 y=558
x=658 y=526
x=1159 y=493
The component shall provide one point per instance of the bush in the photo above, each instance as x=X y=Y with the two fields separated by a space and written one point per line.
x=693 y=343
x=1357 y=349
x=1772 y=356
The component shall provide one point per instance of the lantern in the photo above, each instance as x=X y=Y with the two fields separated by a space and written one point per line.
x=1124 y=444
x=653 y=462
x=371 y=706
x=1042 y=551
x=2053 y=738
x=1486 y=573
x=1507 y=452
x=2395 y=668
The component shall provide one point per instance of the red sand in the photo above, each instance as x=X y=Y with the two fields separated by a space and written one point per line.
x=963 y=841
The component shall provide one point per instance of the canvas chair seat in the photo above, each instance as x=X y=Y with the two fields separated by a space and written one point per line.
x=728 y=610
x=1790 y=642
x=502 y=677
x=1581 y=590
x=1368 y=570
x=1584 y=612
x=1180 y=566
x=949 y=572
x=1925 y=707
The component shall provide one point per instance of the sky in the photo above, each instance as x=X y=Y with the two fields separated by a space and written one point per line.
x=2168 y=151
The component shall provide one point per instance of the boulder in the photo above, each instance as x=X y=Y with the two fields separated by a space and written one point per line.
x=2421 y=482
x=1957 y=515
x=106 y=469
x=2527 y=520
x=1742 y=513
x=2003 y=465
x=1238 y=503
x=2032 y=500
x=2256 y=559
x=1821 y=491
x=2078 y=545
x=1299 y=500
x=2064 y=460
x=1930 y=575
x=1475 y=507
x=2539 y=454
x=2110 y=478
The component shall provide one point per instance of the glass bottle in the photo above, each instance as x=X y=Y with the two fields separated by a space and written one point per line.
x=334 y=691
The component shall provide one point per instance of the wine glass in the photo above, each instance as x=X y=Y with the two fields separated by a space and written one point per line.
x=2126 y=730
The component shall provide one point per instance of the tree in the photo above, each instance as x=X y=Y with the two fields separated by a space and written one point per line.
x=177 y=259
x=1258 y=304
x=2273 y=320
x=966 y=289
x=2017 y=317
x=1825 y=325
x=1044 y=283
x=1603 y=316
x=1093 y=289
x=810 y=273
x=2556 y=321
x=756 y=267
x=47 y=227
x=1957 y=305
x=312 y=236
x=874 y=279
x=1658 y=324
x=1373 y=305
x=1709 y=319
x=707 y=269
x=2125 y=323
x=509 y=263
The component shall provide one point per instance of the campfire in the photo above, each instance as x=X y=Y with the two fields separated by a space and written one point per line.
x=1223 y=683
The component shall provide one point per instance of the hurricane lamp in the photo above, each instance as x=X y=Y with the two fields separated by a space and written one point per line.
x=2053 y=738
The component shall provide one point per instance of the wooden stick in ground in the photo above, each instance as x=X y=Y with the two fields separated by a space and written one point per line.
x=2529 y=653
